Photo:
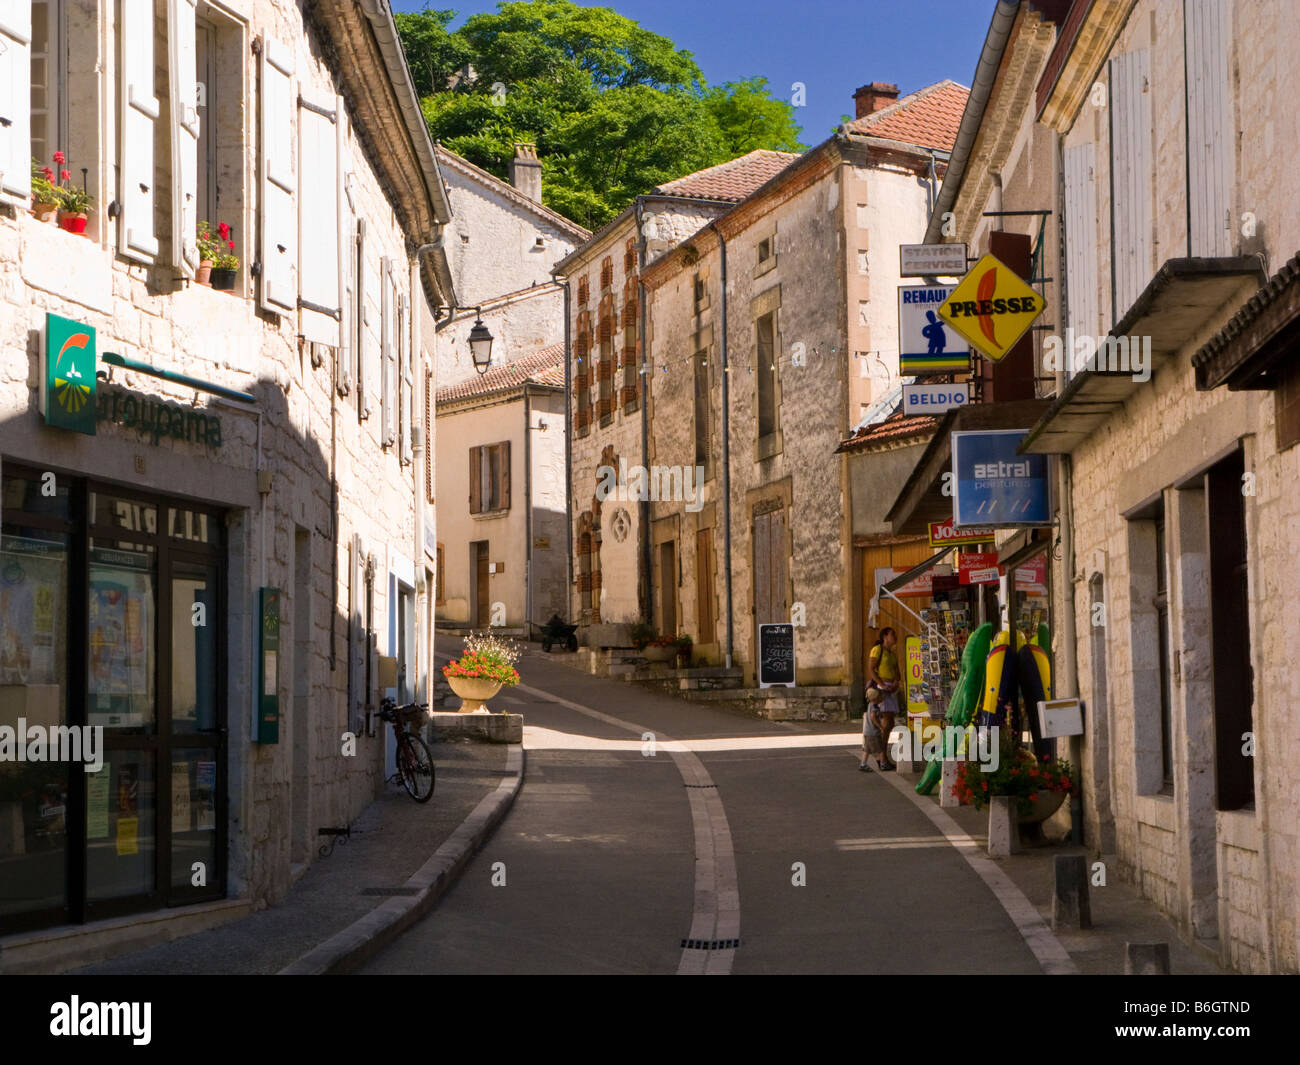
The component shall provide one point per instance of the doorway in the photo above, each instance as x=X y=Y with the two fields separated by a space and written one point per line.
x=668 y=588
x=480 y=613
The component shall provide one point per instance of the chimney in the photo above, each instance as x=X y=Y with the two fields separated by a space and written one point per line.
x=874 y=97
x=526 y=172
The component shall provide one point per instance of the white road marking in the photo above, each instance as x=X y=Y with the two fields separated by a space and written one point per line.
x=716 y=913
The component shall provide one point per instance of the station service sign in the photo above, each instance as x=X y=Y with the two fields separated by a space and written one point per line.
x=992 y=307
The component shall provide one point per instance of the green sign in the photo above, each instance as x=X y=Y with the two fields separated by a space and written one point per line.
x=68 y=372
x=268 y=668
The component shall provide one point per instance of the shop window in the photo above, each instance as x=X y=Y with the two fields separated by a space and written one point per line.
x=1149 y=638
x=489 y=478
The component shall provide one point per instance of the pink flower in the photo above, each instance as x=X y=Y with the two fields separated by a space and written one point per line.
x=65 y=175
x=49 y=174
x=60 y=158
x=231 y=245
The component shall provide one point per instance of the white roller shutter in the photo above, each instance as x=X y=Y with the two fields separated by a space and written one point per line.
x=140 y=111
x=1210 y=141
x=15 y=100
x=320 y=197
x=388 y=312
x=184 y=86
x=1131 y=193
x=279 y=288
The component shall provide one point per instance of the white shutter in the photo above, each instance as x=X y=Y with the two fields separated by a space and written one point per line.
x=387 y=313
x=1131 y=161
x=347 y=248
x=15 y=100
x=1081 y=242
x=319 y=197
x=1210 y=140
x=404 y=368
x=140 y=110
x=185 y=135
x=364 y=289
x=279 y=289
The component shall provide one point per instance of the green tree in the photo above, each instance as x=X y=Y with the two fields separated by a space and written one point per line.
x=613 y=109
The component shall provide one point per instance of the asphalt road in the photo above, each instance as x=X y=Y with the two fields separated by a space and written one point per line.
x=620 y=847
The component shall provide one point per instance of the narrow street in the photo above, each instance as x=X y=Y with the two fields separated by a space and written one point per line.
x=607 y=870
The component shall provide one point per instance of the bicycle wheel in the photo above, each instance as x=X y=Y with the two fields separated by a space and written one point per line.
x=415 y=764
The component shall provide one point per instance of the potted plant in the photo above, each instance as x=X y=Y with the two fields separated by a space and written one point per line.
x=683 y=649
x=45 y=195
x=640 y=634
x=226 y=264
x=661 y=649
x=486 y=665
x=1039 y=788
x=209 y=248
x=74 y=203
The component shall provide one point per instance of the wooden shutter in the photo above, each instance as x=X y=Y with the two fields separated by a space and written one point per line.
x=475 y=480
x=15 y=101
x=406 y=402
x=1081 y=241
x=184 y=91
x=503 y=475
x=319 y=194
x=428 y=437
x=1207 y=27
x=780 y=569
x=365 y=293
x=1131 y=162
x=704 y=594
x=762 y=568
x=140 y=111
x=701 y=409
x=279 y=289
x=356 y=636
x=387 y=312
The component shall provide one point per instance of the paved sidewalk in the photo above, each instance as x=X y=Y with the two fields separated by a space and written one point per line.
x=348 y=898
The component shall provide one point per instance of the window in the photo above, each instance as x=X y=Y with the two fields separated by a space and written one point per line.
x=210 y=105
x=1287 y=398
x=764 y=250
x=705 y=614
x=440 y=586
x=1232 y=674
x=703 y=437
x=765 y=374
x=701 y=294
x=606 y=273
x=582 y=381
x=1161 y=604
x=489 y=478
x=49 y=98
x=584 y=290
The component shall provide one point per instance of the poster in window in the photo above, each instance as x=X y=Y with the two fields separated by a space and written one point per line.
x=120 y=683
x=205 y=788
x=97 y=789
x=31 y=584
x=180 y=796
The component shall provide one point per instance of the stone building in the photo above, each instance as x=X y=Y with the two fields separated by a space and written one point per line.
x=607 y=423
x=503 y=515
x=763 y=328
x=1155 y=139
x=215 y=502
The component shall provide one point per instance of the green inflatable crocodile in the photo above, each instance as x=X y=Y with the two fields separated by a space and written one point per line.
x=965 y=699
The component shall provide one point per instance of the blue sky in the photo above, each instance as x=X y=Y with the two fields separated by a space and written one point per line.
x=832 y=46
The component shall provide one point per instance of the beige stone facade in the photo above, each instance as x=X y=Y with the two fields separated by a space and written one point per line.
x=319 y=487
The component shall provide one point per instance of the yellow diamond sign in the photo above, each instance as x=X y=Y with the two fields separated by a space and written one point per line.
x=992 y=307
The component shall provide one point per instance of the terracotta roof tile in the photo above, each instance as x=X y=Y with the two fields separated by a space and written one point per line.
x=929 y=117
x=732 y=180
x=894 y=429
x=544 y=367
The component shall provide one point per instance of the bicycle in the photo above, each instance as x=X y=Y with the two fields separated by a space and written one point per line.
x=414 y=762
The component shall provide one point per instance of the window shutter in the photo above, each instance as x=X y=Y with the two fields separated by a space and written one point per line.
x=428 y=437
x=503 y=475
x=319 y=209
x=15 y=100
x=364 y=290
x=408 y=398
x=279 y=221
x=475 y=479
x=355 y=671
x=140 y=110
x=185 y=134
x=1081 y=244
x=347 y=259
x=1207 y=28
x=387 y=313
x=1131 y=164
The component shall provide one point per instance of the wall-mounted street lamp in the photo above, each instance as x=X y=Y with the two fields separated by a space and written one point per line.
x=480 y=345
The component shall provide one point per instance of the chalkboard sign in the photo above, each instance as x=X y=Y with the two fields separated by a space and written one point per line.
x=776 y=656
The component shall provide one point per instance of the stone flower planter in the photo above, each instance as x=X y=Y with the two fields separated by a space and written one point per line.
x=474 y=693
x=659 y=654
x=1048 y=802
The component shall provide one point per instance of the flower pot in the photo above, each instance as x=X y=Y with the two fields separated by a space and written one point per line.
x=659 y=654
x=45 y=212
x=204 y=272
x=1041 y=808
x=73 y=223
x=224 y=279
x=474 y=693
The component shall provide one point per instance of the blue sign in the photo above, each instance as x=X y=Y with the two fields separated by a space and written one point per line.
x=994 y=484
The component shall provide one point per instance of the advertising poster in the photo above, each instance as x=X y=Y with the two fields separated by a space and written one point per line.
x=97 y=788
x=31 y=583
x=995 y=485
x=205 y=787
x=121 y=642
x=916 y=702
x=180 y=796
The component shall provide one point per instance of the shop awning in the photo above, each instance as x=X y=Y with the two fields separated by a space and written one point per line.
x=1258 y=340
x=1182 y=298
x=922 y=498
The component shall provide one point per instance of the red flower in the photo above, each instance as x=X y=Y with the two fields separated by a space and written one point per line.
x=230 y=245
x=985 y=785
x=60 y=158
x=65 y=175
x=49 y=174
x=224 y=230
x=1033 y=772
x=207 y=236
x=1033 y=796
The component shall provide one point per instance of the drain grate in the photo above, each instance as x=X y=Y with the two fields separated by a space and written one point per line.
x=390 y=891
x=710 y=944
x=700 y=785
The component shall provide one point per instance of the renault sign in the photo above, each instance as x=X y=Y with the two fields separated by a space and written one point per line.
x=992 y=307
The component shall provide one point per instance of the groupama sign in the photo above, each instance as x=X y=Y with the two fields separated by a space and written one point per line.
x=67 y=395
